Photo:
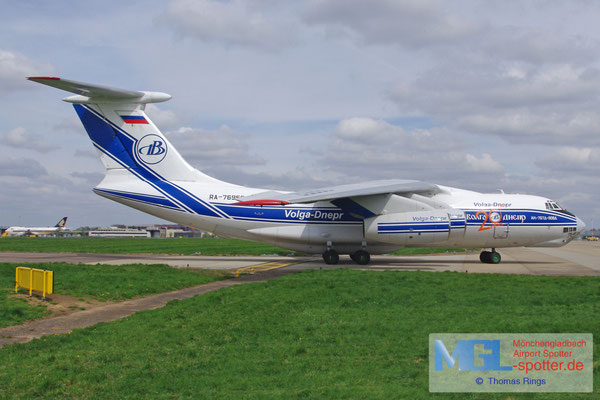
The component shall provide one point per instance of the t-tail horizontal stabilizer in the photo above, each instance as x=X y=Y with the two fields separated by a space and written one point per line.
x=87 y=92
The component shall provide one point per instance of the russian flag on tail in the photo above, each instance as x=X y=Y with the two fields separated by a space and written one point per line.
x=134 y=119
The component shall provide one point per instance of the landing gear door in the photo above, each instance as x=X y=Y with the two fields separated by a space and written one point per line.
x=458 y=224
x=501 y=231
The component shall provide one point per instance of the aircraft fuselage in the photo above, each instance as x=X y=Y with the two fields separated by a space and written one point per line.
x=454 y=218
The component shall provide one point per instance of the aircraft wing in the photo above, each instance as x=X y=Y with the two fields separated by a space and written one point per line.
x=332 y=193
x=361 y=200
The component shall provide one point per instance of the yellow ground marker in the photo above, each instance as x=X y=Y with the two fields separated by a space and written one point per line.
x=264 y=267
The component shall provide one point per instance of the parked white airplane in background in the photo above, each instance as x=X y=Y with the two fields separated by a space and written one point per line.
x=145 y=171
x=35 y=231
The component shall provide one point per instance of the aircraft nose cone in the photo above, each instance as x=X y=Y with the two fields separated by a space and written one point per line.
x=580 y=225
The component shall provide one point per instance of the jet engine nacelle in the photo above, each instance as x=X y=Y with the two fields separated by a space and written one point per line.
x=416 y=228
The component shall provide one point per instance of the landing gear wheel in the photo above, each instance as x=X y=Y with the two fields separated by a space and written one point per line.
x=361 y=257
x=331 y=257
x=495 y=257
x=484 y=257
x=490 y=257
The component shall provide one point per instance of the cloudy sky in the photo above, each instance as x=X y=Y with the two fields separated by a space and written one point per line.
x=481 y=95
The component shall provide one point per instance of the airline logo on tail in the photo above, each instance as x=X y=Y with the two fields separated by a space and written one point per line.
x=61 y=223
x=151 y=149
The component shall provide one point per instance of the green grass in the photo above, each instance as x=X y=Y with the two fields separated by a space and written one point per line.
x=15 y=311
x=317 y=334
x=205 y=246
x=100 y=282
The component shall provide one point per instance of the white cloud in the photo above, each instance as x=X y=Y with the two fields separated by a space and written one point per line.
x=21 y=167
x=70 y=126
x=230 y=22
x=526 y=126
x=209 y=149
x=414 y=24
x=485 y=163
x=14 y=68
x=87 y=153
x=364 y=148
x=569 y=160
x=90 y=179
x=164 y=119
x=20 y=138
x=465 y=89
x=549 y=104
x=361 y=129
x=295 y=179
x=514 y=43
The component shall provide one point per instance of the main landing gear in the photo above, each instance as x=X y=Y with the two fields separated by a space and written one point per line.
x=361 y=257
x=331 y=257
x=490 y=257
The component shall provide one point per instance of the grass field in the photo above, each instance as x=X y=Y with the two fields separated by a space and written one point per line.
x=99 y=282
x=204 y=246
x=15 y=311
x=317 y=334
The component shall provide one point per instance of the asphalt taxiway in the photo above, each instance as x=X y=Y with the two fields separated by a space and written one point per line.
x=578 y=258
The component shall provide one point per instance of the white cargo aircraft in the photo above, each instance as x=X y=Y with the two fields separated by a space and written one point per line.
x=35 y=231
x=146 y=172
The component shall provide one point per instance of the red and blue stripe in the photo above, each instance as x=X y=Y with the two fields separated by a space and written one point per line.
x=134 y=119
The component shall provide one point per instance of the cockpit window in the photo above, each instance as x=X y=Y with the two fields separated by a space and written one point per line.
x=552 y=205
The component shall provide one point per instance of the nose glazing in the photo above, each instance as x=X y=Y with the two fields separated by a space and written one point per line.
x=580 y=225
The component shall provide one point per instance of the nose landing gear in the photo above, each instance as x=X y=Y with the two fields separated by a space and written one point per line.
x=490 y=257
